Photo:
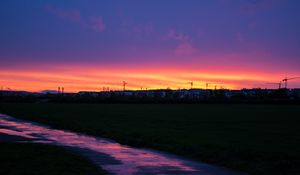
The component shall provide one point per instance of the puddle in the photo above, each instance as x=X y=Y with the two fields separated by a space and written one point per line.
x=108 y=154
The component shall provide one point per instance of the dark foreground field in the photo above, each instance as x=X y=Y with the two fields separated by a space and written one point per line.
x=36 y=159
x=258 y=139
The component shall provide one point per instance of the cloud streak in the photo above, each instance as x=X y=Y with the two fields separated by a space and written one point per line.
x=136 y=30
x=184 y=46
x=252 y=7
x=94 y=23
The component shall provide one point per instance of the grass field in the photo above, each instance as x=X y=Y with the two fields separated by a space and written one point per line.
x=258 y=139
x=36 y=159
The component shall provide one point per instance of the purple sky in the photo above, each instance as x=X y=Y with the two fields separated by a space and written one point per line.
x=258 y=36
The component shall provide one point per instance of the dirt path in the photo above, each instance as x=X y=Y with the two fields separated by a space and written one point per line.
x=109 y=155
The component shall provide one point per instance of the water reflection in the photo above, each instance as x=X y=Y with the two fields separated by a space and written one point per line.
x=111 y=156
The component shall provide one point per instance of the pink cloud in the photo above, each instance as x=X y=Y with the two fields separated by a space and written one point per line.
x=185 y=48
x=72 y=15
x=172 y=34
x=239 y=37
x=253 y=25
x=139 y=30
x=149 y=28
x=200 y=33
x=251 y=7
x=94 y=23
x=143 y=29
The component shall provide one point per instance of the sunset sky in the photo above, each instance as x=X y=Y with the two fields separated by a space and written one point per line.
x=90 y=44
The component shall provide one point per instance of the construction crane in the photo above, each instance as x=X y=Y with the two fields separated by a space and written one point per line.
x=279 y=84
x=124 y=85
x=287 y=79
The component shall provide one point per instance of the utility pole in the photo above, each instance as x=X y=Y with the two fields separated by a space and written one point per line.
x=124 y=85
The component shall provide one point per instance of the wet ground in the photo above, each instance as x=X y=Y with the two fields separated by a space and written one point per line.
x=108 y=154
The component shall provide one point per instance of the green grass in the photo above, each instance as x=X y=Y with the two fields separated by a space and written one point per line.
x=37 y=159
x=258 y=139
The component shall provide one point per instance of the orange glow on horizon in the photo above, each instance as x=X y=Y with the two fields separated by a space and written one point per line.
x=75 y=79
